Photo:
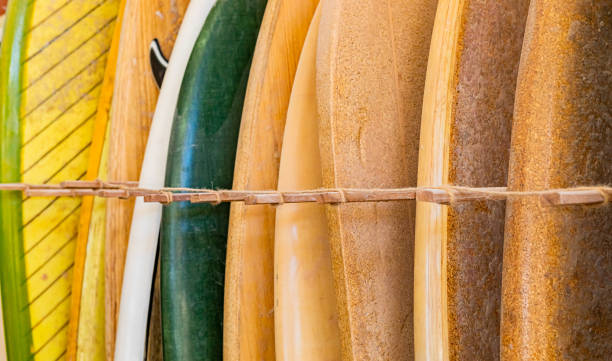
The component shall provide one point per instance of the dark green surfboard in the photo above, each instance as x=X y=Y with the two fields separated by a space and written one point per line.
x=201 y=155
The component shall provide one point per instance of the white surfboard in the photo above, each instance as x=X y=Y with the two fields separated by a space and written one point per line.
x=142 y=247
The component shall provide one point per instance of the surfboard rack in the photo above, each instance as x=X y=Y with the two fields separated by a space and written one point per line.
x=445 y=195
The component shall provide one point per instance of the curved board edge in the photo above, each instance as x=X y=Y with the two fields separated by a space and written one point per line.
x=14 y=292
x=248 y=325
x=98 y=144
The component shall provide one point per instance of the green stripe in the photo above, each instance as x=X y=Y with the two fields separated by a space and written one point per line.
x=12 y=265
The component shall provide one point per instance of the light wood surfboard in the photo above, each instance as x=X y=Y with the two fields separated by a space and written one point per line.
x=305 y=315
x=131 y=114
x=371 y=65
x=53 y=59
x=86 y=325
x=144 y=231
x=248 y=327
x=465 y=139
x=556 y=275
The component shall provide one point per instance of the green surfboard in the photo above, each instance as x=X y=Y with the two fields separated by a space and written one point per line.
x=201 y=155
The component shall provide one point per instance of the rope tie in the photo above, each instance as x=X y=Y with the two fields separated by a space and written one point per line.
x=342 y=195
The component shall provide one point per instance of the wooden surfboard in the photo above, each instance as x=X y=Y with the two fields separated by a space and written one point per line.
x=465 y=138
x=87 y=321
x=248 y=325
x=133 y=106
x=305 y=315
x=556 y=274
x=201 y=155
x=144 y=231
x=52 y=65
x=369 y=139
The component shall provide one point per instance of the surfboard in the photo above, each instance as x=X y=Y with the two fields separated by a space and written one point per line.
x=2 y=342
x=305 y=314
x=53 y=59
x=248 y=325
x=146 y=23
x=556 y=274
x=369 y=139
x=144 y=231
x=87 y=321
x=465 y=138
x=202 y=154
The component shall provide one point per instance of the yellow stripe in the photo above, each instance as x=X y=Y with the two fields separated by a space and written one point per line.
x=65 y=57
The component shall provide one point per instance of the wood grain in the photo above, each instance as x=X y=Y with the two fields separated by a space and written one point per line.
x=371 y=65
x=556 y=276
x=131 y=114
x=248 y=328
x=465 y=139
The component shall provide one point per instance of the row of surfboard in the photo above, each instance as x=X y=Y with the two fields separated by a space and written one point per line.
x=293 y=94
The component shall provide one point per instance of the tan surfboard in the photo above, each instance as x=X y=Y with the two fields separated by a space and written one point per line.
x=556 y=276
x=248 y=327
x=465 y=138
x=371 y=65
x=306 y=325
x=132 y=110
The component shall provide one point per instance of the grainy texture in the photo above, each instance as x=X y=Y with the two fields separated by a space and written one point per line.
x=483 y=98
x=248 y=328
x=371 y=64
x=556 y=283
x=132 y=110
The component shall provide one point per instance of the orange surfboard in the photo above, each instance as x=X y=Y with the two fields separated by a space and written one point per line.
x=556 y=275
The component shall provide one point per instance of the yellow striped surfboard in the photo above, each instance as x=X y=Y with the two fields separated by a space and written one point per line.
x=51 y=70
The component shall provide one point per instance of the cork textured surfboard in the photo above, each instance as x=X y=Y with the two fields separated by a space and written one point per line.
x=556 y=275
x=132 y=111
x=465 y=140
x=53 y=59
x=144 y=231
x=305 y=314
x=248 y=327
x=369 y=139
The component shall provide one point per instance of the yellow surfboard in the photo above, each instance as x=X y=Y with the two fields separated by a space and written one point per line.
x=53 y=59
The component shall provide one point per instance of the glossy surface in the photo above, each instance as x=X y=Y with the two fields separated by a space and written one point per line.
x=248 y=325
x=86 y=324
x=306 y=324
x=465 y=140
x=131 y=115
x=47 y=130
x=201 y=154
x=556 y=275
x=371 y=65
x=144 y=232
